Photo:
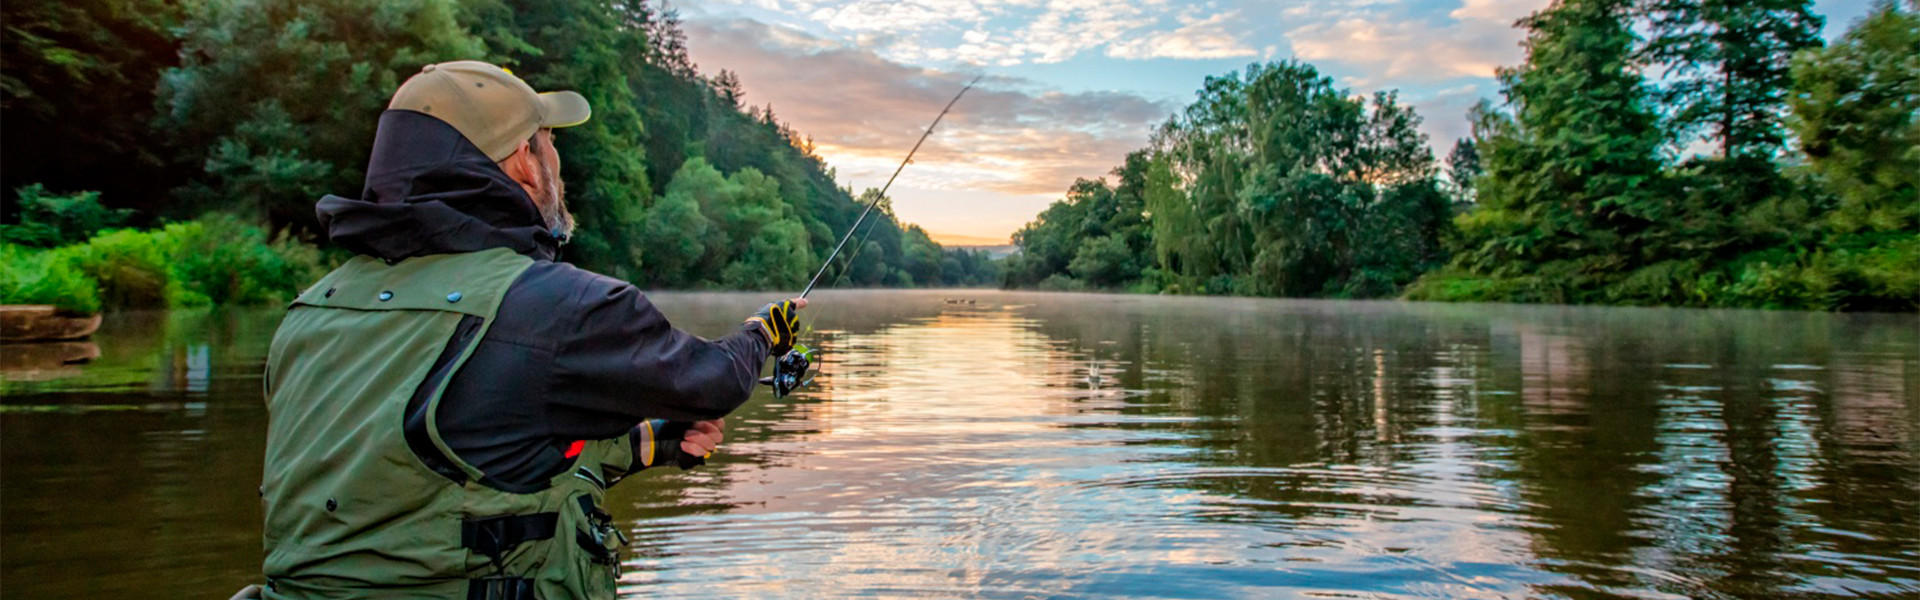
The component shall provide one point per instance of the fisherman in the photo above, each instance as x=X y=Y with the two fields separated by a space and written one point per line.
x=449 y=407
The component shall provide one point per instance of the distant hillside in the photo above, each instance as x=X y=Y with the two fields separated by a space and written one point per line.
x=995 y=252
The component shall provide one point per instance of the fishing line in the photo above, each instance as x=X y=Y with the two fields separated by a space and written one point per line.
x=883 y=190
x=846 y=270
x=789 y=373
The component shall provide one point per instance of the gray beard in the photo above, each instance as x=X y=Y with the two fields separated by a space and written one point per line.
x=553 y=206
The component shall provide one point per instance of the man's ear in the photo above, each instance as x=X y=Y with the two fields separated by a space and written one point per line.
x=522 y=166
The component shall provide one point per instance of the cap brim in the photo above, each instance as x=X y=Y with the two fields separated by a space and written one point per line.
x=563 y=109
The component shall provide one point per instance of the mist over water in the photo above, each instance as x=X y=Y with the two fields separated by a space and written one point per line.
x=1007 y=445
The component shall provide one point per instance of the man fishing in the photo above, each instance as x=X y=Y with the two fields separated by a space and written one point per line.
x=448 y=408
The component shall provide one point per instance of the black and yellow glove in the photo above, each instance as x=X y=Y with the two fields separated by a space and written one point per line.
x=778 y=321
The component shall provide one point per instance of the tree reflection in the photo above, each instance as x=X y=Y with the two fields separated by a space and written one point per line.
x=1082 y=445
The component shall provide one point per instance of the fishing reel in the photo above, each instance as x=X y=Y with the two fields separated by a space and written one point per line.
x=789 y=373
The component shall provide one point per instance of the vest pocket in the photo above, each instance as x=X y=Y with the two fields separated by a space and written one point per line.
x=593 y=557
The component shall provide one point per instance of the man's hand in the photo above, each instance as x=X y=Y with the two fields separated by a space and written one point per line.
x=703 y=438
x=779 y=322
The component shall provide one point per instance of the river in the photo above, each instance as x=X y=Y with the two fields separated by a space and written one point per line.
x=1021 y=445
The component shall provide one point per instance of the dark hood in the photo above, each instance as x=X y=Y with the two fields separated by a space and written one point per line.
x=430 y=191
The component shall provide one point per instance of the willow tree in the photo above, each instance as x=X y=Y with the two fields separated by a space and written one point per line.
x=1302 y=189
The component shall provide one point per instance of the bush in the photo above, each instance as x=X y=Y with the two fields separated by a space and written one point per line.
x=215 y=260
x=1058 y=282
x=51 y=220
x=1453 y=284
x=129 y=266
x=219 y=259
x=45 y=277
x=1667 y=283
x=1874 y=272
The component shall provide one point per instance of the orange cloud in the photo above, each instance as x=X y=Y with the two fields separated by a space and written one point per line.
x=864 y=111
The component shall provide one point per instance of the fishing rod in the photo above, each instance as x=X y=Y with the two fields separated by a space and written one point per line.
x=884 y=188
x=789 y=371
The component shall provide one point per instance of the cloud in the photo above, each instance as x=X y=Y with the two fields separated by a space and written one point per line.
x=1443 y=116
x=1196 y=39
x=1499 y=12
x=1478 y=39
x=864 y=111
x=1013 y=32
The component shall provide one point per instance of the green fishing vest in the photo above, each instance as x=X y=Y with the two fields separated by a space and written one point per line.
x=361 y=504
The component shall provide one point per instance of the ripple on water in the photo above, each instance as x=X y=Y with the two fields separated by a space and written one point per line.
x=1087 y=446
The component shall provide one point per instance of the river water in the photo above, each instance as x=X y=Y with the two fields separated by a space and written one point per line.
x=1007 y=445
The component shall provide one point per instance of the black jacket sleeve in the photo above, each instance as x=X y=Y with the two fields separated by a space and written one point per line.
x=622 y=360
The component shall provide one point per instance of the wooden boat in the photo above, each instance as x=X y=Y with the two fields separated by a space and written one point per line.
x=41 y=323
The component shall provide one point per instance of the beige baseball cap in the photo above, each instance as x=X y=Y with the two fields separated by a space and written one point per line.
x=492 y=107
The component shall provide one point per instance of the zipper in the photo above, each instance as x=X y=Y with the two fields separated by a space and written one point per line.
x=591 y=477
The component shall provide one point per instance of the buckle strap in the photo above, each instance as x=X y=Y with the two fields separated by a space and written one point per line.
x=596 y=550
x=494 y=537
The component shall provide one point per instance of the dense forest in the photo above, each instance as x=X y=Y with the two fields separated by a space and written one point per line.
x=1756 y=167
x=158 y=114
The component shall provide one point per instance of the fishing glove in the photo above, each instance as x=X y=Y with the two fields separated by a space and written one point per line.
x=778 y=321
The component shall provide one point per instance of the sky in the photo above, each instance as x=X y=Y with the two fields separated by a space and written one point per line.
x=1069 y=87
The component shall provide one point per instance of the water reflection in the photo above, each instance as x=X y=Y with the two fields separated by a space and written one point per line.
x=1033 y=445
x=45 y=361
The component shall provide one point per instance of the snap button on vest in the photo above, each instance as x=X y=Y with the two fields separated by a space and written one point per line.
x=385 y=296
x=330 y=292
x=453 y=297
x=332 y=505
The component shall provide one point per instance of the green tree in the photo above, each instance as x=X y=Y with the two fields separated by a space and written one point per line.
x=1463 y=168
x=1103 y=261
x=1049 y=243
x=275 y=101
x=1275 y=183
x=1725 y=70
x=775 y=257
x=1726 y=64
x=592 y=47
x=1854 y=112
x=1174 y=226
x=675 y=240
x=1291 y=181
x=49 y=220
x=1571 y=177
x=77 y=97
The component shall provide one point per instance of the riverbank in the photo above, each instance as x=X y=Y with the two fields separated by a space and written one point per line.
x=1883 y=276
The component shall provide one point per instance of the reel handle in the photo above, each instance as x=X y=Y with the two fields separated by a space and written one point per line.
x=789 y=373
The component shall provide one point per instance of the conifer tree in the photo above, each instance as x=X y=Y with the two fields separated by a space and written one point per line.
x=1463 y=167
x=1727 y=65
x=1568 y=185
